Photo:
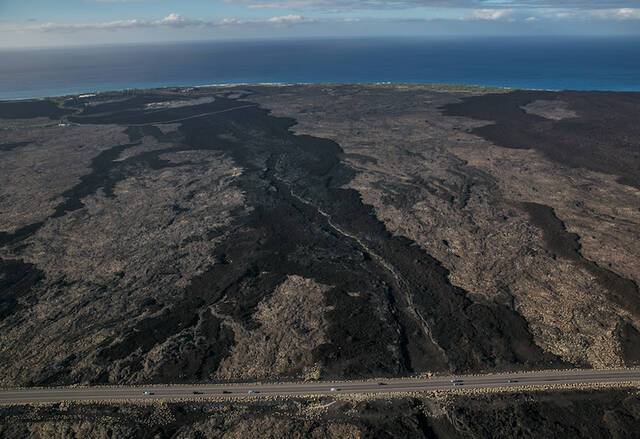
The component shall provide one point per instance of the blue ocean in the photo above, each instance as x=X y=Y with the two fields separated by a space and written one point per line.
x=606 y=63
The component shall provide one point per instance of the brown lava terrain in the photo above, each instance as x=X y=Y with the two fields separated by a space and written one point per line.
x=305 y=232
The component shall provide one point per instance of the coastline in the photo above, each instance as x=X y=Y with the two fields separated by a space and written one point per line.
x=444 y=87
x=448 y=87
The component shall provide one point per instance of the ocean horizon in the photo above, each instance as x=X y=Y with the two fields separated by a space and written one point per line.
x=559 y=63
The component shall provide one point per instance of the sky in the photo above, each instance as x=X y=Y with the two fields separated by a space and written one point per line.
x=40 y=23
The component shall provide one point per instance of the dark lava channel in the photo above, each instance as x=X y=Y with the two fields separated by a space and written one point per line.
x=605 y=137
x=561 y=243
x=17 y=279
x=11 y=146
x=394 y=310
x=103 y=175
x=31 y=109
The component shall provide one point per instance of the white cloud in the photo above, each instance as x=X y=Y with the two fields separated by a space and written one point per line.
x=177 y=21
x=628 y=14
x=582 y=5
x=291 y=4
x=172 y=20
x=491 y=14
x=289 y=19
x=230 y=22
x=618 y=14
x=555 y=15
x=111 y=25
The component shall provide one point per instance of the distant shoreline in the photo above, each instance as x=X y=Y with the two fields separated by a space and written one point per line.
x=444 y=87
x=433 y=86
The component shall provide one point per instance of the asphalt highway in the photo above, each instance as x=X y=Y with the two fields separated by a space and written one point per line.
x=257 y=390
